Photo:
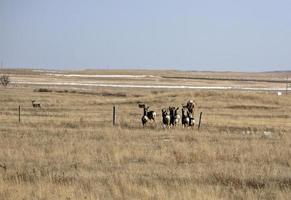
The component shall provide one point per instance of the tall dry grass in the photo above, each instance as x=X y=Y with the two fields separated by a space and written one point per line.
x=68 y=149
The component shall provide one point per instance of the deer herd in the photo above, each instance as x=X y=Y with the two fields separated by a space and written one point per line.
x=170 y=116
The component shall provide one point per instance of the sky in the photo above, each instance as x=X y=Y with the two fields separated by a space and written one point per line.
x=224 y=35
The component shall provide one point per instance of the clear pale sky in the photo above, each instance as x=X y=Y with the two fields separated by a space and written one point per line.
x=238 y=35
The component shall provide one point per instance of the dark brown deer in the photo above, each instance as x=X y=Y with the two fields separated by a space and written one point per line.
x=151 y=115
x=191 y=119
x=185 y=118
x=166 y=118
x=144 y=118
x=191 y=106
x=175 y=117
x=34 y=104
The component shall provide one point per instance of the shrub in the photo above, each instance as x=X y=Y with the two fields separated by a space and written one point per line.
x=42 y=90
x=5 y=80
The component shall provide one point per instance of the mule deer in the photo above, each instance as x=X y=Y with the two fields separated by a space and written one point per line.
x=166 y=118
x=151 y=115
x=185 y=118
x=35 y=104
x=144 y=120
x=190 y=106
x=191 y=119
x=190 y=113
x=175 y=117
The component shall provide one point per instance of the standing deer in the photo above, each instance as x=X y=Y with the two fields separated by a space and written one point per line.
x=185 y=118
x=34 y=104
x=190 y=106
x=151 y=115
x=191 y=119
x=144 y=118
x=175 y=117
x=172 y=117
x=190 y=113
x=166 y=118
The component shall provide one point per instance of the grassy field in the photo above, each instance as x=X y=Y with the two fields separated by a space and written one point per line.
x=69 y=149
x=271 y=80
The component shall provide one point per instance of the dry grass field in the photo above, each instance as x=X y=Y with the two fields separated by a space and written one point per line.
x=68 y=149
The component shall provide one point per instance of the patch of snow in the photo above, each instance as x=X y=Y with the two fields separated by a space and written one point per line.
x=46 y=71
x=103 y=76
x=147 y=86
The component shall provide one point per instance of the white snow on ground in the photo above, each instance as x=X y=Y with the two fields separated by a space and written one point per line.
x=46 y=71
x=103 y=76
x=150 y=86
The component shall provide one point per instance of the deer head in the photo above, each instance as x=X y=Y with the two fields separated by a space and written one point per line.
x=141 y=105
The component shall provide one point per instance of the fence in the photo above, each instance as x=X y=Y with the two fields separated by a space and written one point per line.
x=107 y=116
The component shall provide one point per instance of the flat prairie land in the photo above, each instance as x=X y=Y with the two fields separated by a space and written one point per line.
x=69 y=149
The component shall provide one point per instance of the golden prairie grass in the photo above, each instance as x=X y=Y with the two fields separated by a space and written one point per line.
x=68 y=149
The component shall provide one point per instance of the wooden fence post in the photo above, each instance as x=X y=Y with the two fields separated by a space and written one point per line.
x=19 y=114
x=287 y=85
x=114 y=116
x=200 y=120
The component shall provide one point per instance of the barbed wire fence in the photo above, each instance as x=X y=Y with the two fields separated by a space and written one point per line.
x=288 y=85
x=117 y=115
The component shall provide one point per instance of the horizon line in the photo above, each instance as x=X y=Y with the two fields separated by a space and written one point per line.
x=136 y=69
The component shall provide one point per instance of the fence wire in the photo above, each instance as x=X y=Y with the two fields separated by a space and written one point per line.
x=74 y=114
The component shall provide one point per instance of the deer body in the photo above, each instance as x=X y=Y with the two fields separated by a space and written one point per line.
x=166 y=118
x=175 y=117
x=185 y=118
x=147 y=115
x=151 y=115
x=34 y=104
x=190 y=106
x=144 y=120
x=191 y=119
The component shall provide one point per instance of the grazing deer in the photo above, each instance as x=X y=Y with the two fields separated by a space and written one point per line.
x=166 y=118
x=34 y=104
